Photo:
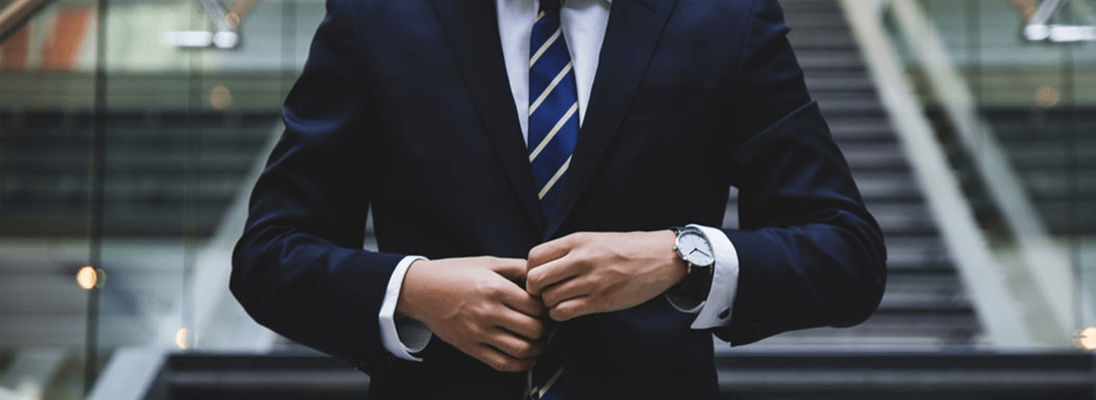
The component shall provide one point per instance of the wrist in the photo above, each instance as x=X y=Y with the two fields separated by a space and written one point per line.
x=674 y=266
x=694 y=250
x=412 y=282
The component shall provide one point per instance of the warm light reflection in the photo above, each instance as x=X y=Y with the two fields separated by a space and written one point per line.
x=1086 y=339
x=1047 y=96
x=87 y=277
x=182 y=338
x=220 y=97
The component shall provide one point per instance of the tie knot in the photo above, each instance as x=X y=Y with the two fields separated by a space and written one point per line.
x=550 y=5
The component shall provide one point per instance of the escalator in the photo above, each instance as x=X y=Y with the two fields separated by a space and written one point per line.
x=925 y=339
x=924 y=307
x=175 y=164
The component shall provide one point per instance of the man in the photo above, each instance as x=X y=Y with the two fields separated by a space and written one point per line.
x=544 y=183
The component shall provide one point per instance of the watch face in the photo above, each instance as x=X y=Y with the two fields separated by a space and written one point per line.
x=695 y=249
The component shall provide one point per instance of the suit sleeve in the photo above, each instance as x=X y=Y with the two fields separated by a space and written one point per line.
x=299 y=268
x=809 y=252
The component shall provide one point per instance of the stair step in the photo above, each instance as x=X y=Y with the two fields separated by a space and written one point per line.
x=1051 y=184
x=846 y=62
x=874 y=156
x=823 y=84
x=952 y=331
x=813 y=40
x=871 y=128
x=749 y=372
x=907 y=218
x=910 y=253
x=893 y=375
x=876 y=186
x=860 y=106
x=1078 y=154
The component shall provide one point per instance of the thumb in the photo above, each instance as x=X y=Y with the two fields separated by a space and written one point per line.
x=510 y=268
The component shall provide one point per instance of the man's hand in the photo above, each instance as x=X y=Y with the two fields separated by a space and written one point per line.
x=475 y=305
x=586 y=273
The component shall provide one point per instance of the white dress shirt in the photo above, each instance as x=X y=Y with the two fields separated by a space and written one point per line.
x=583 y=23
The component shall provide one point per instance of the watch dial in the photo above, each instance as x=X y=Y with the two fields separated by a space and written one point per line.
x=696 y=249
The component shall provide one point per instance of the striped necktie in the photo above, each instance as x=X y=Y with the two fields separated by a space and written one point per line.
x=553 y=132
x=553 y=105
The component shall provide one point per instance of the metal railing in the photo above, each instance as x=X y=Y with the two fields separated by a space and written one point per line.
x=965 y=241
x=1028 y=302
x=1039 y=27
x=225 y=32
x=1043 y=262
x=16 y=14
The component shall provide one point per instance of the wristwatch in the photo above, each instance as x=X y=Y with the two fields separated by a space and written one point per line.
x=695 y=249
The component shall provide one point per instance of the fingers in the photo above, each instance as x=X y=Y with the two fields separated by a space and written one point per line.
x=566 y=290
x=551 y=250
x=518 y=299
x=514 y=296
x=514 y=346
x=555 y=271
x=529 y=327
x=501 y=361
x=510 y=268
x=572 y=308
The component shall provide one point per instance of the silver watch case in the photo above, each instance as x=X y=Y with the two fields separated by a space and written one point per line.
x=694 y=247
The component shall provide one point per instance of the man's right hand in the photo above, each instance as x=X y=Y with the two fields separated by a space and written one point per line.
x=476 y=305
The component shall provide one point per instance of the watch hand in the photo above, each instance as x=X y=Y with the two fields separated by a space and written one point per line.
x=701 y=252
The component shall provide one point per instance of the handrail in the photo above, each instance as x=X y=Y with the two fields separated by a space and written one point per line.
x=1038 y=27
x=16 y=14
x=1046 y=10
x=238 y=10
x=1046 y=264
x=999 y=309
x=226 y=26
x=225 y=35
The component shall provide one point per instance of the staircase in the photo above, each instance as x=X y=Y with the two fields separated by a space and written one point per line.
x=925 y=339
x=842 y=376
x=924 y=307
x=168 y=178
x=165 y=173
x=1054 y=152
x=170 y=173
x=920 y=342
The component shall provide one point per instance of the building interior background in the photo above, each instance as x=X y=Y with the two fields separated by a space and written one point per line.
x=131 y=132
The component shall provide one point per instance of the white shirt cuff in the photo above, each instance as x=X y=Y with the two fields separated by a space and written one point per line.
x=715 y=311
x=404 y=336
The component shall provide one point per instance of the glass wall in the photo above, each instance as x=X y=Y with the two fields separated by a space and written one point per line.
x=122 y=149
x=131 y=130
x=1037 y=96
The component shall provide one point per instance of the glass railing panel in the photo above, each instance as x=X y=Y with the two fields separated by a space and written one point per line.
x=1039 y=99
x=188 y=118
x=181 y=123
x=47 y=238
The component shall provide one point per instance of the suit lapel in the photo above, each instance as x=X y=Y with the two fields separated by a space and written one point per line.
x=472 y=27
x=630 y=39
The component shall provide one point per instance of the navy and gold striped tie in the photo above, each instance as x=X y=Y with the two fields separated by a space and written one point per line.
x=553 y=132
x=553 y=105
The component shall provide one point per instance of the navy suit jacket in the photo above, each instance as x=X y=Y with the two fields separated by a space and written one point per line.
x=404 y=108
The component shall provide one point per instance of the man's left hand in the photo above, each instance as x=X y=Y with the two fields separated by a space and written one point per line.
x=585 y=273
